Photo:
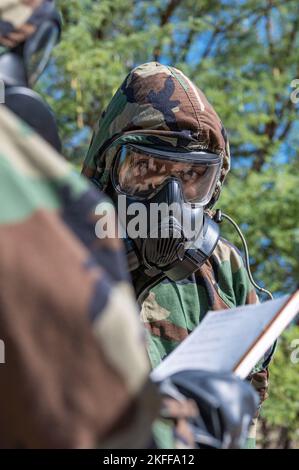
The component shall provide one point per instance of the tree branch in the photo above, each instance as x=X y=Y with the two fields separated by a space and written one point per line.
x=164 y=19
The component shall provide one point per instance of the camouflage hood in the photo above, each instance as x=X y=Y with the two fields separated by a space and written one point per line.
x=156 y=105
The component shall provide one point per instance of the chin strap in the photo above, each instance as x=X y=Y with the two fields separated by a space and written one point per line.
x=219 y=216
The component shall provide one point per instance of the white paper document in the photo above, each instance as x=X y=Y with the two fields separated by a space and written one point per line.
x=224 y=337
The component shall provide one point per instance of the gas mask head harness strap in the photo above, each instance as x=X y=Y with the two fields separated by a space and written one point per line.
x=169 y=191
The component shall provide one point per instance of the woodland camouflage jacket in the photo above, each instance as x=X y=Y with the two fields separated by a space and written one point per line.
x=68 y=321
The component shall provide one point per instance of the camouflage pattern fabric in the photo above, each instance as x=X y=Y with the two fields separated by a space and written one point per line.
x=19 y=19
x=158 y=105
x=76 y=369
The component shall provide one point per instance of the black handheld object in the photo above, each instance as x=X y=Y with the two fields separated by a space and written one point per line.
x=226 y=405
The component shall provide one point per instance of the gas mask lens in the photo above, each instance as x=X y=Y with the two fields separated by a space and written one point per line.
x=140 y=172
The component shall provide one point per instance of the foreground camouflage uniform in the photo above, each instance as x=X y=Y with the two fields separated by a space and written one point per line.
x=76 y=368
x=159 y=106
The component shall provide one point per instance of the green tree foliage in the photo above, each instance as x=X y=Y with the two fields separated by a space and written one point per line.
x=244 y=55
x=280 y=415
x=266 y=205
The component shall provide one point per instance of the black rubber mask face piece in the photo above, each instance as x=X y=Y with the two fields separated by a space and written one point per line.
x=172 y=226
x=165 y=236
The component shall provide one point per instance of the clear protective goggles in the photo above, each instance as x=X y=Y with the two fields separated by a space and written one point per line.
x=141 y=172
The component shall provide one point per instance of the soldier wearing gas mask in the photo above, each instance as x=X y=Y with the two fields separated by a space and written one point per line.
x=160 y=141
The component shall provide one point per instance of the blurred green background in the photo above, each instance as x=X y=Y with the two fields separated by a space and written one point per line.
x=244 y=55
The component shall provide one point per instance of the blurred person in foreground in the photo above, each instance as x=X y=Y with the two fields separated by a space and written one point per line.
x=20 y=19
x=65 y=296
x=67 y=317
x=160 y=141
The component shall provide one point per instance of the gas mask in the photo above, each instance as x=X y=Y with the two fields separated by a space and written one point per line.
x=171 y=235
